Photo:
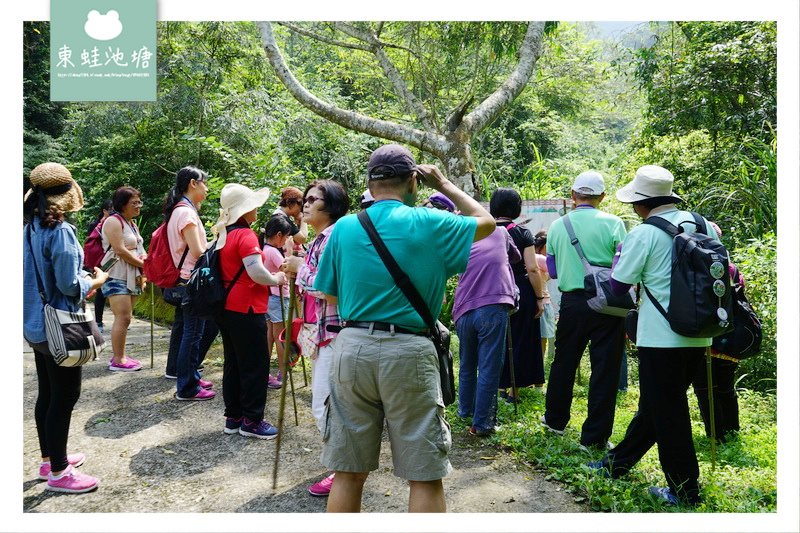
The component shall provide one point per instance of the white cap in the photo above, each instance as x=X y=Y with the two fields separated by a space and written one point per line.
x=590 y=183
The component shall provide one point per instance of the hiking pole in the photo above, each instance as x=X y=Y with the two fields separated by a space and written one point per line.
x=510 y=352
x=152 y=315
x=288 y=347
x=711 y=409
x=282 y=407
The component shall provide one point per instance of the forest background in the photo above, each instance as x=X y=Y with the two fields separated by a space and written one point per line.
x=698 y=98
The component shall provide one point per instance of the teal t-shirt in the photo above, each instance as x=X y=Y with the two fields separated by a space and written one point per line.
x=599 y=234
x=647 y=256
x=430 y=245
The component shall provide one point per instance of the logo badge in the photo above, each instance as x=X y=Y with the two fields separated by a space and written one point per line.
x=102 y=50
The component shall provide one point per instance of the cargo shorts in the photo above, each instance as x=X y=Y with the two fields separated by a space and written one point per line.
x=376 y=377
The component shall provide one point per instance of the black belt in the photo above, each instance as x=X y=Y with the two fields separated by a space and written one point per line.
x=382 y=326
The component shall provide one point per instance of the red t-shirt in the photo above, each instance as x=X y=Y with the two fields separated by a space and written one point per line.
x=246 y=294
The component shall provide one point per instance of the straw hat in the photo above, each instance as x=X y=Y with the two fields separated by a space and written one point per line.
x=235 y=201
x=651 y=181
x=55 y=187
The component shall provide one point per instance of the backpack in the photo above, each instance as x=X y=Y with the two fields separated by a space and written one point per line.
x=93 y=251
x=205 y=291
x=700 y=302
x=159 y=268
x=597 y=283
x=745 y=339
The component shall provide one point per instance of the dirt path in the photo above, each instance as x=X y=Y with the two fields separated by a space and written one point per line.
x=154 y=454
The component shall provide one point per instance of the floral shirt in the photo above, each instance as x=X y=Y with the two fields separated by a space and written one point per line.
x=327 y=314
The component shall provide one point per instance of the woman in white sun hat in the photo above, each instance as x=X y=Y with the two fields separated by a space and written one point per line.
x=243 y=322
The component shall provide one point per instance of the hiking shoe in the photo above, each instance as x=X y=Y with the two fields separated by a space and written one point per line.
x=548 y=428
x=596 y=447
x=170 y=376
x=482 y=432
x=599 y=467
x=259 y=430
x=130 y=365
x=665 y=494
x=74 y=459
x=232 y=425
x=205 y=384
x=323 y=488
x=273 y=382
x=71 y=481
x=202 y=394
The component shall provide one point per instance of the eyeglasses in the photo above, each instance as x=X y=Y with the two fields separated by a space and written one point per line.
x=137 y=203
x=311 y=199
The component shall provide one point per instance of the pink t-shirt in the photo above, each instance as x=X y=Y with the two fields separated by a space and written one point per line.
x=183 y=216
x=273 y=260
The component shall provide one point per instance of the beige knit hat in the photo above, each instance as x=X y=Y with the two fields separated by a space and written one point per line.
x=55 y=187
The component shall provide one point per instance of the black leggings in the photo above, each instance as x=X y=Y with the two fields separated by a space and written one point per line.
x=59 y=389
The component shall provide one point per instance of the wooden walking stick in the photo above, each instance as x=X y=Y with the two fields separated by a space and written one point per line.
x=287 y=336
x=712 y=426
x=510 y=352
x=152 y=315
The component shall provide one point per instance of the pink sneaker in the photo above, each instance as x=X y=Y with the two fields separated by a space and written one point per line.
x=130 y=365
x=323 y=488
x=273 y=382
x=75 y=459
x=71 y=481
x=205 y=384
x=202 y=395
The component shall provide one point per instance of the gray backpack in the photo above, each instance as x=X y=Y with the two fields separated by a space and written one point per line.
x=596 y=282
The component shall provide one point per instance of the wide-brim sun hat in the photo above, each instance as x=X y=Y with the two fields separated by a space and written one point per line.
x=235 y=201
x=56 y=187
x=651 y=181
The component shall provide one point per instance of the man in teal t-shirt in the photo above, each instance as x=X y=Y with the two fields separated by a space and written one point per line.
x=382 y=368
x=599 y=234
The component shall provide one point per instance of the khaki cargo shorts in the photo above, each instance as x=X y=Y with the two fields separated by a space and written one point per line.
x=379 y=376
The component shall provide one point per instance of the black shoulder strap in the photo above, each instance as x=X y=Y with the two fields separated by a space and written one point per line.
x=672 y=229
x=400 y=278
x=35 y=267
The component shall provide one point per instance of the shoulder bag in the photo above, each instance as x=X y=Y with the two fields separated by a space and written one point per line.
x=73 y=337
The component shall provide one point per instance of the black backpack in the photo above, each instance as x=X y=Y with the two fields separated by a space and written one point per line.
x=745 y=339
x=205 y=291
x=700 y=302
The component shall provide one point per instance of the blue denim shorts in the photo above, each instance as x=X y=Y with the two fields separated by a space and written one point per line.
x=547 y=322
x=274 y=308
x=115 y=287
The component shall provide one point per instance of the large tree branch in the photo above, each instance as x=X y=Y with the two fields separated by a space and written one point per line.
x=401 y=88
x=498 y=101
x=322 y=38
x=427 y=141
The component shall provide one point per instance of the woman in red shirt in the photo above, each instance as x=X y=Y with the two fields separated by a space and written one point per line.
x=243 y=322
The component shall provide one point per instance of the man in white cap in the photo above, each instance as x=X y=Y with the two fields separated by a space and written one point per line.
x=599 y=234
x=384 y=367
x=667 y=360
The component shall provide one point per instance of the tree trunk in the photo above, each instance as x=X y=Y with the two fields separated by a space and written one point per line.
x=459 y=164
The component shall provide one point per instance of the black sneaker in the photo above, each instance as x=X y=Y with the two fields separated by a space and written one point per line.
x=232 y=425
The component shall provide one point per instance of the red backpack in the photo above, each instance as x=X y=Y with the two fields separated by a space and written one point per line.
x=93 y=251
x=158 y=265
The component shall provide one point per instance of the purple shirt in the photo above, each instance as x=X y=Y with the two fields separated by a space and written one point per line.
x=488 y=279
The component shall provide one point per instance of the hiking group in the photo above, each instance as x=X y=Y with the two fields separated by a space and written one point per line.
x=373 y=362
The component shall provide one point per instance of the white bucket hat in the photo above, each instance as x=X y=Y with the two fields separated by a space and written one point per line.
x=590 y=183
x=651 y=181
x=236 y=200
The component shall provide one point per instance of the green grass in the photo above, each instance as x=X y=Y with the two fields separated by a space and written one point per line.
x=744 y=479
